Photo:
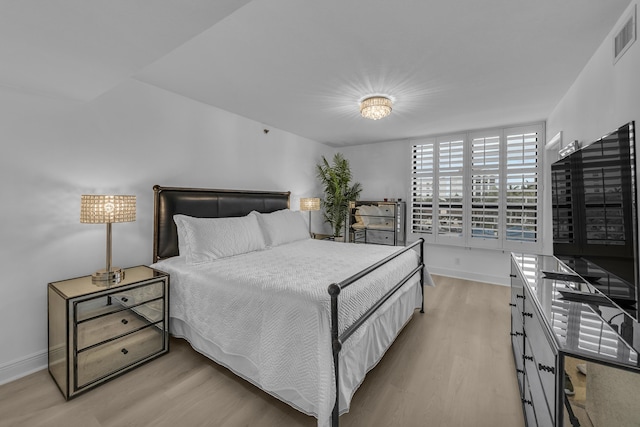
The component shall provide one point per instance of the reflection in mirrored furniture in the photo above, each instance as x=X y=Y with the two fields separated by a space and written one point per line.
x=377 y=222
x=97 y=332
x=560 y=321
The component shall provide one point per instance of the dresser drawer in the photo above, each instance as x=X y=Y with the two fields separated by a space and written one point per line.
x=359 y=236
x=516 y=344
x=95 y=307
x=540 y=347
x=543 y=403
x=380 y=237
x=114 y=356
x=527 y=405
x=99 y=329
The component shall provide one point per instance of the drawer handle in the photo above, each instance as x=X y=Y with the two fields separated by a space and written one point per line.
x=125 y=299
x=520 y=371
x=529 y=358
x=124 y=321
x=517 y=334
x=520 y=296
x=512 y=275
x=528 y=402
x=512 y=304
x=124 y=351
x=524 y=313
x=546 y=368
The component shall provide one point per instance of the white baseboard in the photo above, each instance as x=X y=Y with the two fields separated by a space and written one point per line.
x=458 y=274
x=20 y=368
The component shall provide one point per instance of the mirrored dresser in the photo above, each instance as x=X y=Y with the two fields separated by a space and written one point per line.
x=575 y=351
x=99 y=332
x=377 y=222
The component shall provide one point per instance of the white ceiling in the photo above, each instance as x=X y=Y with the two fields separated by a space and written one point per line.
x=79 y=49
x=302 y=66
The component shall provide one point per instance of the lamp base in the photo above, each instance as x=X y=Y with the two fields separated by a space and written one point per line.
x=106 y=278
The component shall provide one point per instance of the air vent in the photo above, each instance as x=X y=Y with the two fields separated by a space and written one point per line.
x=625 y=37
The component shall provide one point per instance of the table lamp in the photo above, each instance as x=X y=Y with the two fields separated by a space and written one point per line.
x=310 y=204
x=107 y=209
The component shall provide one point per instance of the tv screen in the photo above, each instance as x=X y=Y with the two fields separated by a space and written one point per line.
x=594 y=214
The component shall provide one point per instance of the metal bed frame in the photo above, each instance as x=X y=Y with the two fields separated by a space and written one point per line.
x=210 y=203
x=334 y=291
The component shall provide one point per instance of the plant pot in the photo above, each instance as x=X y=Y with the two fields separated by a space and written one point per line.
x=338 y=239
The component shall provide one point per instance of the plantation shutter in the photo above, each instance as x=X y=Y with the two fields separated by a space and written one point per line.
x=522 y=214
x=479 y=188
x=422 y=191
x=450 y=193
x=485 y=189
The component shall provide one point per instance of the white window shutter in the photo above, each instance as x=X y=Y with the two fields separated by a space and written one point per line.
x=451 y=197
x=422 y=188
x=522 y=186
x=486 y=187
x=479 y=189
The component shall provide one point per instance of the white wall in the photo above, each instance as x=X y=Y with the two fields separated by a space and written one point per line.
x=135 y=136
x=604 y=97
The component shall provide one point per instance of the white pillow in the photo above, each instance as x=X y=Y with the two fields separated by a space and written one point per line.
x=208 y=239
x=283 y=226
x=182 y=237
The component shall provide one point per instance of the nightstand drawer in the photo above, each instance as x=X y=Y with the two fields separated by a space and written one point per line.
x=380 y=237
x=99 y=306
x=103 y=328
x=113 y=356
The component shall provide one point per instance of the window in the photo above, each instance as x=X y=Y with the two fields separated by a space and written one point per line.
x=450 y=187
x=478 y=189
x=485 y=187
x=422 y=201
x=522 y=186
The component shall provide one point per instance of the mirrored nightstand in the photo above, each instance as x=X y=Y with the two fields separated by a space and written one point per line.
x=97 y=333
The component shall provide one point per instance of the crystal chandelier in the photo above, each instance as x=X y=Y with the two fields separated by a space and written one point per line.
x=375 y=107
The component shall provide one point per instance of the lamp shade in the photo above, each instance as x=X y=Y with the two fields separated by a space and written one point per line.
x=310 y=204
x=106 y=209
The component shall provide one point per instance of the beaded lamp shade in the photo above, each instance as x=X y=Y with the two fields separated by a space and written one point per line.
x=310 y=204
x=103 y=209
x=107 y=209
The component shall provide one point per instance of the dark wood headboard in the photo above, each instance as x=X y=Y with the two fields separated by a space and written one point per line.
x=204 y=203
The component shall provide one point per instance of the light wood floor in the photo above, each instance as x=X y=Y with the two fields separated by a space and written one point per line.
x=451 y=366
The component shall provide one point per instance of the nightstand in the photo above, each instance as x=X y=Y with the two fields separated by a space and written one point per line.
x=97 y=332
x=318 y=236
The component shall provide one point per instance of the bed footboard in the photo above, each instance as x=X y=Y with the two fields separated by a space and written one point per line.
x=334 y=291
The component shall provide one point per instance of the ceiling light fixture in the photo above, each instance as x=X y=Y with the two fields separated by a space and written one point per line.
x=375 y=107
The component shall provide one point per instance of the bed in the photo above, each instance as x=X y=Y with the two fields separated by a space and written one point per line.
x=302 y=319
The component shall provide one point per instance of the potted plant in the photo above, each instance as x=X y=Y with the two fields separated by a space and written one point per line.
x=338 y=191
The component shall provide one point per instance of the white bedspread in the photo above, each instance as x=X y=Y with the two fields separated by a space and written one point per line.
x=270 y=311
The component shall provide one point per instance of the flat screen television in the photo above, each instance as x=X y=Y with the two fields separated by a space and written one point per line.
x=595 y=215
